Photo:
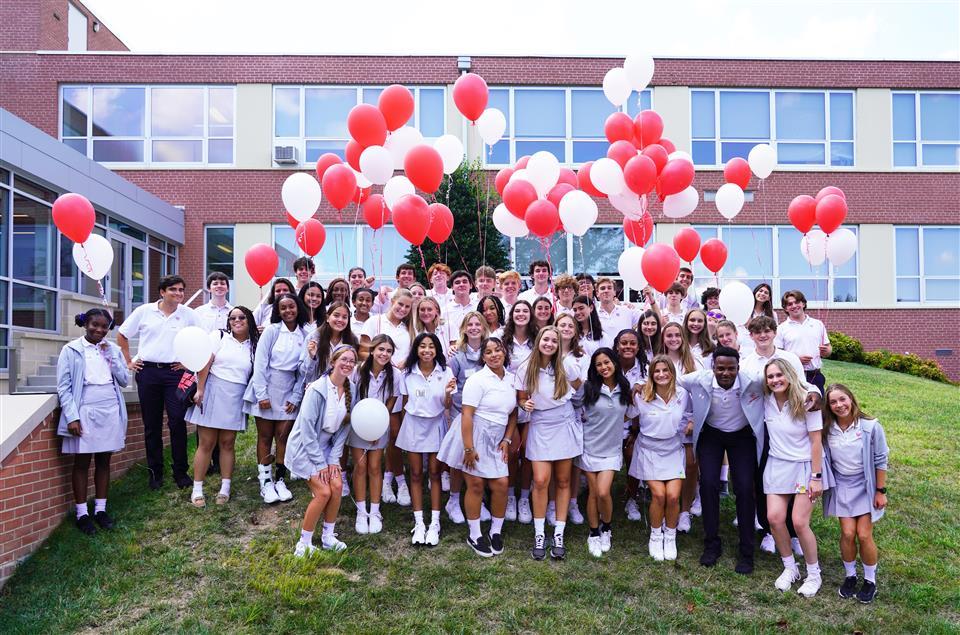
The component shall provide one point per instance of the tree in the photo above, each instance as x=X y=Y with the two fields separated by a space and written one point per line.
x=474 y=240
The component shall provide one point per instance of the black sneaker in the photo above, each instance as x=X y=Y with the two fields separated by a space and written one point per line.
x=496 y=544
x=183 y=481
x=744 y=566
x=103 y=519
x=557 y=550
x=709 y=557
x=85 y=524
x=156 y=482
x=849 y=587
x=867 y=592
x=480 y=546
x=538 y=552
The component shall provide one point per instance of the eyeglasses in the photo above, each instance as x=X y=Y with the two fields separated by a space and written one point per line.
x=716 y=315
x=237 y=318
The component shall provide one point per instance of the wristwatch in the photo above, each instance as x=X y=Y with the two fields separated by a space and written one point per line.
x=816 y=476
x=882 y=490
x=506 y=440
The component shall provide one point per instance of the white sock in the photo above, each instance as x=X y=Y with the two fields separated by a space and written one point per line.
x=525 y=494
x=418 y=517
x=361 y=507
x=870 y=573
x=538 y=526
x=225 y=487
x=454 y=499
x=400 y=480
x=724 y=472
x=573 y=504
x=197 y=489
x=328 y=529
x=511 y=496
x=434 y=516
x=265 y=472
x=813 y=569
x=670 y=533
x=99 y=505
x=306 y=537
x=474 y=524
x=789 y=562
x=374 y=508
x=560 y=526
x=82 y=510
x=496 y=525
x=850 y=569
x=388 y=477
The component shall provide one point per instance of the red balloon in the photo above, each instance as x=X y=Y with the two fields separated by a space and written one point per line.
x=640 y=174
x=293 y=222
x=802 y=213
x=639 y=232
x=660 y=265
x=310 y=236
x=441 y=222
x=361 y=194
x=831 y=210
x=262 y=262
x=522 y=162
x=568 y=176
x=676 y=176
x=352 y=152
x=411 y=217
x=713 y=253
x=621 y=152
x=647 y=127
x=667 y=145
x=375 y=211
x=542 y=218
x=830 y=189
x=558 y=191
x=737 y=171
x=518 y=195
x=367 y=125
x=424 y=167
x=470 y=95
x=396 y=105
x=503 y=177
x=74 y=216
x=687 y=243
x=583 y=180
x=658 y=154
x=618 y=127
x=339 y=185
x=326 y=160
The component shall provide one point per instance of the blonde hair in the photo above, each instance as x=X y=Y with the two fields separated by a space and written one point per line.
x=796 y=391
x=686 y=355
x=565 y=281
x=418 y=324
x=462 y=340
x=537 y=361
x=408 y=320
x=575 y=346
x=508 y=275
x=650 y=388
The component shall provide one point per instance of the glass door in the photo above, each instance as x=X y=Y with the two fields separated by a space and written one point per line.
x=117 y=283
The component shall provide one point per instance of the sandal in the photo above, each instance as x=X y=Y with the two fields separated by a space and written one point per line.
x=222 y=499
x=199 y=501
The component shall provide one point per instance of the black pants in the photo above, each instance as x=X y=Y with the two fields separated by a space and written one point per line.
x=816 y=378
x=157 y=388
x=741 y=450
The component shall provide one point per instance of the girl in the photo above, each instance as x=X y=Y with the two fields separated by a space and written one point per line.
x=634 y=368
x=264 y=311
x=334 y=330
x=478 y=442
x=649 y=328
x=856 y=453
x=419 y=292
x=518 y=336
x=570 y=348
x=311 y=294
x=427 y=388
x=376 y=378
x=727 y=334
x=714 y=317
x=272 y=395
x=665 y=416
x=606 y=400
x=362 y=302
x=218 y=410
x=695 y=330
x=794 y=470
x=545 y=385
x=316 y=443
x=338 y=291
x=491 y=309
x=589 y=321
x=93 y=415
x=763 y=301
x=542 y=312
x=427 y=319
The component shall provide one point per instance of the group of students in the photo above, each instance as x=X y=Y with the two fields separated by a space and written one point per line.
x=510 y=397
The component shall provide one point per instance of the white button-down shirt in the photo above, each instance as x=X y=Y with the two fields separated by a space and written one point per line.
x=789 y=437
x=803 y=338
x=846 y=449
x=213 y=317
x=96 y=369
x=726 y=413
x=156 y=330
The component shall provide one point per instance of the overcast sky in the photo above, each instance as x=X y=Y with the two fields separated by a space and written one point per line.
x=843 y=29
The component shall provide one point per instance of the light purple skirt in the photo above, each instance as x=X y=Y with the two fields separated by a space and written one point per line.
x=486 y=441
x=100 y=422
x=554 y=434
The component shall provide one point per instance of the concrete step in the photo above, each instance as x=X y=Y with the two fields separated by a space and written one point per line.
x=47 y=371
x=45 y=381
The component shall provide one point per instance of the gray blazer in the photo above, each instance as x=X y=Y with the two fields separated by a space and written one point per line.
x=875 y=455
x=257 y=388
x=70 y=369
x=700 y=386
x=310 y=448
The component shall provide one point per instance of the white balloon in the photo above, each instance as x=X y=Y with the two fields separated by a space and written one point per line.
x=362 y=181
x=192 y=347
x=451 y=151
x=491 y=125
x=813 y=247
x=841 y=245
x=639 y=69
x=520 y=175
x=543 y=170
x=400 y=142
x=94 y=257
x=681 y=204
x=376 y=164
x=397 y=187
x=628 y=203
x=736 y=302
x=301 y=195
x=680 y=154
x=508 y=224
x=629 y=267
x=607 y=176
x=762 y=159
x=578 y=212
x=729 y=200
x=616 y=86
x=370 y=419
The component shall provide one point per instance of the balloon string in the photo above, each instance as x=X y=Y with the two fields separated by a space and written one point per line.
x=423 y=262
x=89 y=266
x=459 y=253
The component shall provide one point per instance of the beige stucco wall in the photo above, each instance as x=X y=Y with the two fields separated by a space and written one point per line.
x=877 y=275
x=245 y=236
x=873 y=147
x=254 y=126
x=673 y=104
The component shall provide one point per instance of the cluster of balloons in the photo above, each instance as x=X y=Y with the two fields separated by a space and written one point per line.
x=828 y=209
x=74 y=216
x=470 y=94
x=635 y=74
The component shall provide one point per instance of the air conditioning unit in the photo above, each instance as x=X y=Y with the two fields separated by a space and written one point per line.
x=285 y=155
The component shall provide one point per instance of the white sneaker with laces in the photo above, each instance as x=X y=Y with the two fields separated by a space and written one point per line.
x=810 y=586
x=552 y=513
x=330 y=543
x=419 y=534
x=283 y=494
x=593 y=546
x=362 y=525
x=633 y=510
x=303 y=550
x=670 y=544
x=433 y=535
x=445 y=481
x=387 y=495
x=573 y=513
x=511 y=512
x=345 y=489
x=454 y=512
x=655 y=546
x=268 y=492
x=606 y=540
x=484 y=513
x=695 y=508
x=786 y=579
x=683 y=524
x=768 y=544
x=524 y=514
x=403 y=495
x=375 y=523
x=795 y=545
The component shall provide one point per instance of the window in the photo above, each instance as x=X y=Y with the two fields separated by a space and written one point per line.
x=219 y=250
x=805 y=127
x=839 y=284
x=314 y=118
x=530 y=248
x=34 y=242
x=926 y=129
x=599 y=248
x=150 y=125
x=567 y=122
x=34 y=308
x=928 y=264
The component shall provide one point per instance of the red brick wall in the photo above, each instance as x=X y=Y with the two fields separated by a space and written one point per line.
x=41 y=25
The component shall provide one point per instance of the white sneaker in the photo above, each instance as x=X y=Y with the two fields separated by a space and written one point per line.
x=810 y=586
x=511 y=512
x=768 y=544
x=345 y=490
x=362 y=526
x=268 y=492
x=454 y=512
x=419 y=534
x=524 y=515
x=303 y=550
x=283 y=493
x=433 y=535
x=633 y=510
x=552 y=513
x=375 y=523
x=330 y=543
x=606 y=540
x=736 y=521
x=484 y=513
x=670 y=544
x=387 y=495
x=403 y=495
x=786 y=579
x=795 y=545
x=683 y=524
x=696 y=509
x=573 y=513
x=655 y=546
x=756 y=523
x=445 y=481
x=593 y=546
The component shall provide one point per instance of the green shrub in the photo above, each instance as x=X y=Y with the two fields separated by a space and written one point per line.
x=849 y=349
x=846 y=348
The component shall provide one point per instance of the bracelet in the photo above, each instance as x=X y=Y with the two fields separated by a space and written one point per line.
x=467 y=450
x=816 y=479
x=506 y=440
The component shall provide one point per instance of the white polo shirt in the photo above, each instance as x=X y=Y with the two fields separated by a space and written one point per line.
x=400 y=335
x=425 y=395
x=213 y=317
x=453 y=313
x=726 y=413
x=156 y=330
x=620 y=318
x=789 y=437
x=531 y=294
x=803 y=338
x=753 y=363
x=231 y=359
x=846 y=448
x=543 y=398
x=494 y=398
x=96 y=367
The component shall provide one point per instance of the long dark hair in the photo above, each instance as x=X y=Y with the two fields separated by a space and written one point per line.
x=324 y=334
x=591 y=387
x=413 y=359
x=641 y=357
x=252 y=331
x=596 y=329
x=766 y=307
x=496 y=303
x=366 y=371
x=272 y=298
x=510 y=328
x=319 y=314
x=497 y=342
x=302 y=312
x=651 y=344
x=329 y=299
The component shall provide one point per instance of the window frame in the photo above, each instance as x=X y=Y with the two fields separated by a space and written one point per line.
x=917 y=142
x=206 y=262
x=921 y=276
x=571 y=248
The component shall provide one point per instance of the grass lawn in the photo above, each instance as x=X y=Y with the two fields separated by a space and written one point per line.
x=171 y=568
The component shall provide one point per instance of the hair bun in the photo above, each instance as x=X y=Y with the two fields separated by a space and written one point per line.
x=80 y=319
